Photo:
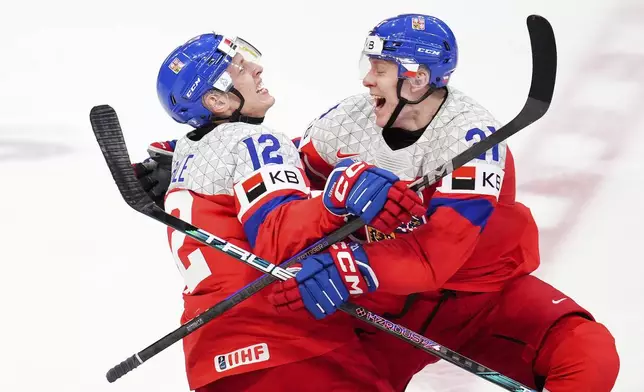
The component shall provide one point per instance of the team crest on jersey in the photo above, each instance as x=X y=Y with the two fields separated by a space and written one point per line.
x=412 y=225
x=375 y=235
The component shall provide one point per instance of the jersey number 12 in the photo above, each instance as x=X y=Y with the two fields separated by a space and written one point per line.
x=269 y=145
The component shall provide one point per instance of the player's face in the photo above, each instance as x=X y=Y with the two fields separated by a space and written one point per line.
x=381 y=80
x=247 y=79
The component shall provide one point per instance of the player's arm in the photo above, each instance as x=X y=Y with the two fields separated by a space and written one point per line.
x=429 y=256
x=280 y=219
x=272 y=198
x=422 y=260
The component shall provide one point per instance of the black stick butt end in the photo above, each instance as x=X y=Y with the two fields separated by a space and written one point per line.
x=122 y=368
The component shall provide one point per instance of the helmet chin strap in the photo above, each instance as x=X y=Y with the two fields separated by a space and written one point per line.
x=237 y=116
x=404 y=101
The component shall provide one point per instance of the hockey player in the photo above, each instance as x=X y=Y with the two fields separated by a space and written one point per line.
x=243 y=182
x=466 y=268
x=517 y=326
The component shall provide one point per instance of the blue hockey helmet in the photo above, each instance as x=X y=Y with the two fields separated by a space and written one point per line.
x=195 y=68
x=412 y=40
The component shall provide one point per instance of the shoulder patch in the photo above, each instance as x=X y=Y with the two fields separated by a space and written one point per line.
x=479 y=178
x=267 y=180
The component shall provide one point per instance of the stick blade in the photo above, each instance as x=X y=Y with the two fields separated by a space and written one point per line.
x=544 y=76
x=107 y=129
x=544 y=59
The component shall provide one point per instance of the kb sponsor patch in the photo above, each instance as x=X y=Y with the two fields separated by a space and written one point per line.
x=267 y=180
x=476 y=178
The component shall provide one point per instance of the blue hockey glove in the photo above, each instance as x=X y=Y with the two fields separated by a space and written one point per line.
x=326 y=281
x=376 y=195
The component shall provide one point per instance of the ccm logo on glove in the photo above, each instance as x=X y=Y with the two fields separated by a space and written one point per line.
x=348 y=265
x=375 y=195
x=342 y=186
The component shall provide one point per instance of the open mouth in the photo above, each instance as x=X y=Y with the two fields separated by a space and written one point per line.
x=378 y=101
x=260 y=88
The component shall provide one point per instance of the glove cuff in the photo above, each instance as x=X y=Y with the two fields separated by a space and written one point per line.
x=334 y=199
x=162 y=152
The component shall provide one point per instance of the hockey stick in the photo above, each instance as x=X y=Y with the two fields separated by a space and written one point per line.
x=107 y=129
x=110 y=138
x=108 y=133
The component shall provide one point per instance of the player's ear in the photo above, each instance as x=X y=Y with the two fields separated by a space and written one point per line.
x=421 y=80
x=216 y=101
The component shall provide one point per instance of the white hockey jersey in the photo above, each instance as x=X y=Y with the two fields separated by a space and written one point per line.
x=455 y=251
x=349 y=129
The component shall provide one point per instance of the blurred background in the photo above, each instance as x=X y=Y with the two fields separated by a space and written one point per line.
x=87 y=281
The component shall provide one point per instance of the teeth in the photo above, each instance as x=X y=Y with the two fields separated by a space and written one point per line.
x=260 y=87
x=378 y=100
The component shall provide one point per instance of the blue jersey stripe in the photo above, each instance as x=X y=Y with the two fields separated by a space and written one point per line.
x=251 y=226
x=476 y=211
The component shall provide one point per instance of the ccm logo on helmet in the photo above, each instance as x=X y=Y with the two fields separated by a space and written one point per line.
x=420 y=49
x=193 y=88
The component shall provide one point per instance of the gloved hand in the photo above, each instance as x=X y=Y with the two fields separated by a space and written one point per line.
x=155 y=172
x=374 y=194
x=325 y=281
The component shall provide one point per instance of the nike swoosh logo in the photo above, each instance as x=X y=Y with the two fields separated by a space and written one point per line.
x=558 y=301
x=341 y=155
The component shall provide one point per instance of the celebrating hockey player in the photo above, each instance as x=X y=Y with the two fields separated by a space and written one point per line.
x=243 y=182
x=470 y=260
x=466 y=265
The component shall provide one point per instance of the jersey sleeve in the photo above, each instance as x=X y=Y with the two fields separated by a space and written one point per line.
x=459 y=210
x=272 y=198
x=316 y=150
